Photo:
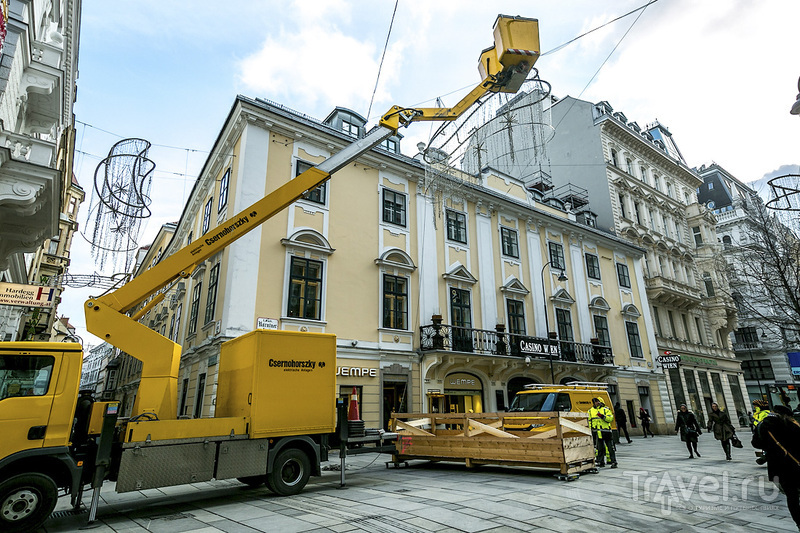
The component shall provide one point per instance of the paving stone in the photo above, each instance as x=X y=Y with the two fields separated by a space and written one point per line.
x=229 y=526
x=656 y=489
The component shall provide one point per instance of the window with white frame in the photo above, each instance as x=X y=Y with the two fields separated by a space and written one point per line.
x=305 y=289
x=394 y=207
x=350 y=128
x=592 y=266
x=623 y=276
x=207 y=215
x=211 y=298
x=223 y=190
x=508 y=238
x=175 y=326
x=390 y=145
x=601 y=330
x=698 y=236
x=317 y=195
x=634 y=340
x=556 y=256
x=395 y=302
x=564 y=324
x=456 y=226
x=195 y=308
x=516 y=316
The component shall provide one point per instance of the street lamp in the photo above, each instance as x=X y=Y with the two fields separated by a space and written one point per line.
x=561 y=277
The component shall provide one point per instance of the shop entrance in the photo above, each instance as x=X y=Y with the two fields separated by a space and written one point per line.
x=394 y=401
x=463 y=393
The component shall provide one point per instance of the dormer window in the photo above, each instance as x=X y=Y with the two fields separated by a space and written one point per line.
x=350 y=128
x=390 y=145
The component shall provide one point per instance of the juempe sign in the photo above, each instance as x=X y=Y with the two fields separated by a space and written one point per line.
x=26 y=295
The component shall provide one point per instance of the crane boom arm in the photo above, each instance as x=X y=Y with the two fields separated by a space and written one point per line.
x=503 y=68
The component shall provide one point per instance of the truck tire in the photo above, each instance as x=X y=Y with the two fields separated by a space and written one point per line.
x=290 y=472
x=26 y=500
x=252 y=481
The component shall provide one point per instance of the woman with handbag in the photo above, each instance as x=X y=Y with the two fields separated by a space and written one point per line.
x=687 y=424
x=723 y=429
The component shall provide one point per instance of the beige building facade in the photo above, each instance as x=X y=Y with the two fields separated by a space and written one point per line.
x=441 y=298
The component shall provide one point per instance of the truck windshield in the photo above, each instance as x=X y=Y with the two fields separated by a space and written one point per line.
x=25 y=375
x=533 y=401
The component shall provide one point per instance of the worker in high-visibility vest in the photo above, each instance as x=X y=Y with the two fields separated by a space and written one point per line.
x=760 y=412
x=600 y=418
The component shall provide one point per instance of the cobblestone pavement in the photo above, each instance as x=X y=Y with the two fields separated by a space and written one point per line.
x=656 y=488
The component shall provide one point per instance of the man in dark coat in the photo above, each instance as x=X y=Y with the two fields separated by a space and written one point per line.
x=622 y=421
x=778 y=435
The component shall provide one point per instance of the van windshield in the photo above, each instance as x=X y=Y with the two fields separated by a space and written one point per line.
x=533 y=401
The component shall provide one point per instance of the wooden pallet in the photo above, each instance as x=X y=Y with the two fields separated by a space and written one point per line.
x=561 y=441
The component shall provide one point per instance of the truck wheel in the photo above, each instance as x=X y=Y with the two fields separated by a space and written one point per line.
x=26 y=500
x=251 y=481
x=290 y=473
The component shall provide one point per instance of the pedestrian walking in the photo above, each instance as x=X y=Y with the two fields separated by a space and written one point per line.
x=720 y=423
x=622 y=422
x=687 y=424
x=600 y=418
x=778 y=434
x=644 y=418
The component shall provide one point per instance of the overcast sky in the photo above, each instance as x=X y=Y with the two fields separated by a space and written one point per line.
x=720 y=74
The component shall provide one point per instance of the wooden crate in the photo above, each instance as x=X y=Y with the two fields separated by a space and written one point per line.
x=562 y=442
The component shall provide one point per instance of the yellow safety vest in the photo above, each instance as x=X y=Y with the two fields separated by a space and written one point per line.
x=600 y=418
x=760 y=415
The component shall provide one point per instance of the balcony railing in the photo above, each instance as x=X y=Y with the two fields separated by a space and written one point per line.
x=498 y=343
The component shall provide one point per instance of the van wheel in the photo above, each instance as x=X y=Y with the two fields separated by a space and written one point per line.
x=251 y=481
x=26 y=500
x=290 y=473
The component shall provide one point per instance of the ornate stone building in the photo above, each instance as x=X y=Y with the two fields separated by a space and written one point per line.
x=641 y=190
x=38 y=69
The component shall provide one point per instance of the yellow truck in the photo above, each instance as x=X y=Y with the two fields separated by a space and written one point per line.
x=266 y=427
x=546 y=398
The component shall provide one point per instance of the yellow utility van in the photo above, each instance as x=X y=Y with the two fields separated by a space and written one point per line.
x=546 y=398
